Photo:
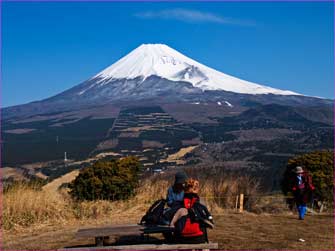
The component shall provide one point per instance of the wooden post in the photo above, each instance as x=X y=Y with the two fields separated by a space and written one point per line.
x=236 y=202
x=241 y=202
x=321 y=207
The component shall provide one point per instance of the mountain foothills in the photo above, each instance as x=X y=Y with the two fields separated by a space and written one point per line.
x=167 y=109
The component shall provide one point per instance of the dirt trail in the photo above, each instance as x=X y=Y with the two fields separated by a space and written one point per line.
x=56 y=183
x=233 y=231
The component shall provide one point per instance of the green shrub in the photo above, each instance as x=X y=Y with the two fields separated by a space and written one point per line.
x=320 y=165
x=107 y=180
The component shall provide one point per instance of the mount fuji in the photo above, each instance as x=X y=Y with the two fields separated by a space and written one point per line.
x=162 y=61
x=157 y=73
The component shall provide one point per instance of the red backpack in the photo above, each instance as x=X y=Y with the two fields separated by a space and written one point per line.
x=189 y=226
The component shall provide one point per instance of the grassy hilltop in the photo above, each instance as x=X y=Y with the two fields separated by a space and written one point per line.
x=33 y=215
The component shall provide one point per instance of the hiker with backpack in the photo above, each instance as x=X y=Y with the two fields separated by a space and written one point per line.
x=158 y=214
x=188 y=218
x=302 y=188
x=191 y=220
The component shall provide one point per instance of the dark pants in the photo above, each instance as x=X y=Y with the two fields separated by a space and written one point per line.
x=301 y=198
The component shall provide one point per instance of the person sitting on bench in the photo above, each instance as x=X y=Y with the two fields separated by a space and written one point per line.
x=175 y=193
x=175 y=196
x=191 y=220
x=157 y=213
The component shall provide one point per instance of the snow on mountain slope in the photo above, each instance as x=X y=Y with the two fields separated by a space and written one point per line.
x=162 y=61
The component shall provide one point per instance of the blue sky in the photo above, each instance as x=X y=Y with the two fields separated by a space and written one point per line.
x=50 y=47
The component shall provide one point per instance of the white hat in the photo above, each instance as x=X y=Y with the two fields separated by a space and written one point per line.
x=298 y=169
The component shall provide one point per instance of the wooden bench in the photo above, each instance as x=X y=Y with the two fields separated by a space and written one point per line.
x=102 y=234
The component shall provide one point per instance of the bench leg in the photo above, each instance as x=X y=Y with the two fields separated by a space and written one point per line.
x=101 y=241
x=144 y=237
x=105 y=240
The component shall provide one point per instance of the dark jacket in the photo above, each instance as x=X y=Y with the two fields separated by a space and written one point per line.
x=303 y=188
x=198 y=216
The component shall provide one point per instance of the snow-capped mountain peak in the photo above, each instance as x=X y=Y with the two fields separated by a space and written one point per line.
x=162 y=61
x=147 y=60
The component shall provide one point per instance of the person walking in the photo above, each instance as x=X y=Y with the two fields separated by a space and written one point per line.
x=302 y=189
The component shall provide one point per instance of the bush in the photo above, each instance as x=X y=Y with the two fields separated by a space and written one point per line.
x=107 y=180
x=320 y=165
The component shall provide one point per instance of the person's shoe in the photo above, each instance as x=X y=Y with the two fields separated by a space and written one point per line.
x=300 y=218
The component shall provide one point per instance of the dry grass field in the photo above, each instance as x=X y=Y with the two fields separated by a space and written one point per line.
x=49 y=218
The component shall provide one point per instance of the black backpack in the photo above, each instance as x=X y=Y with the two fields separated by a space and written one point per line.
x=154 y=214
